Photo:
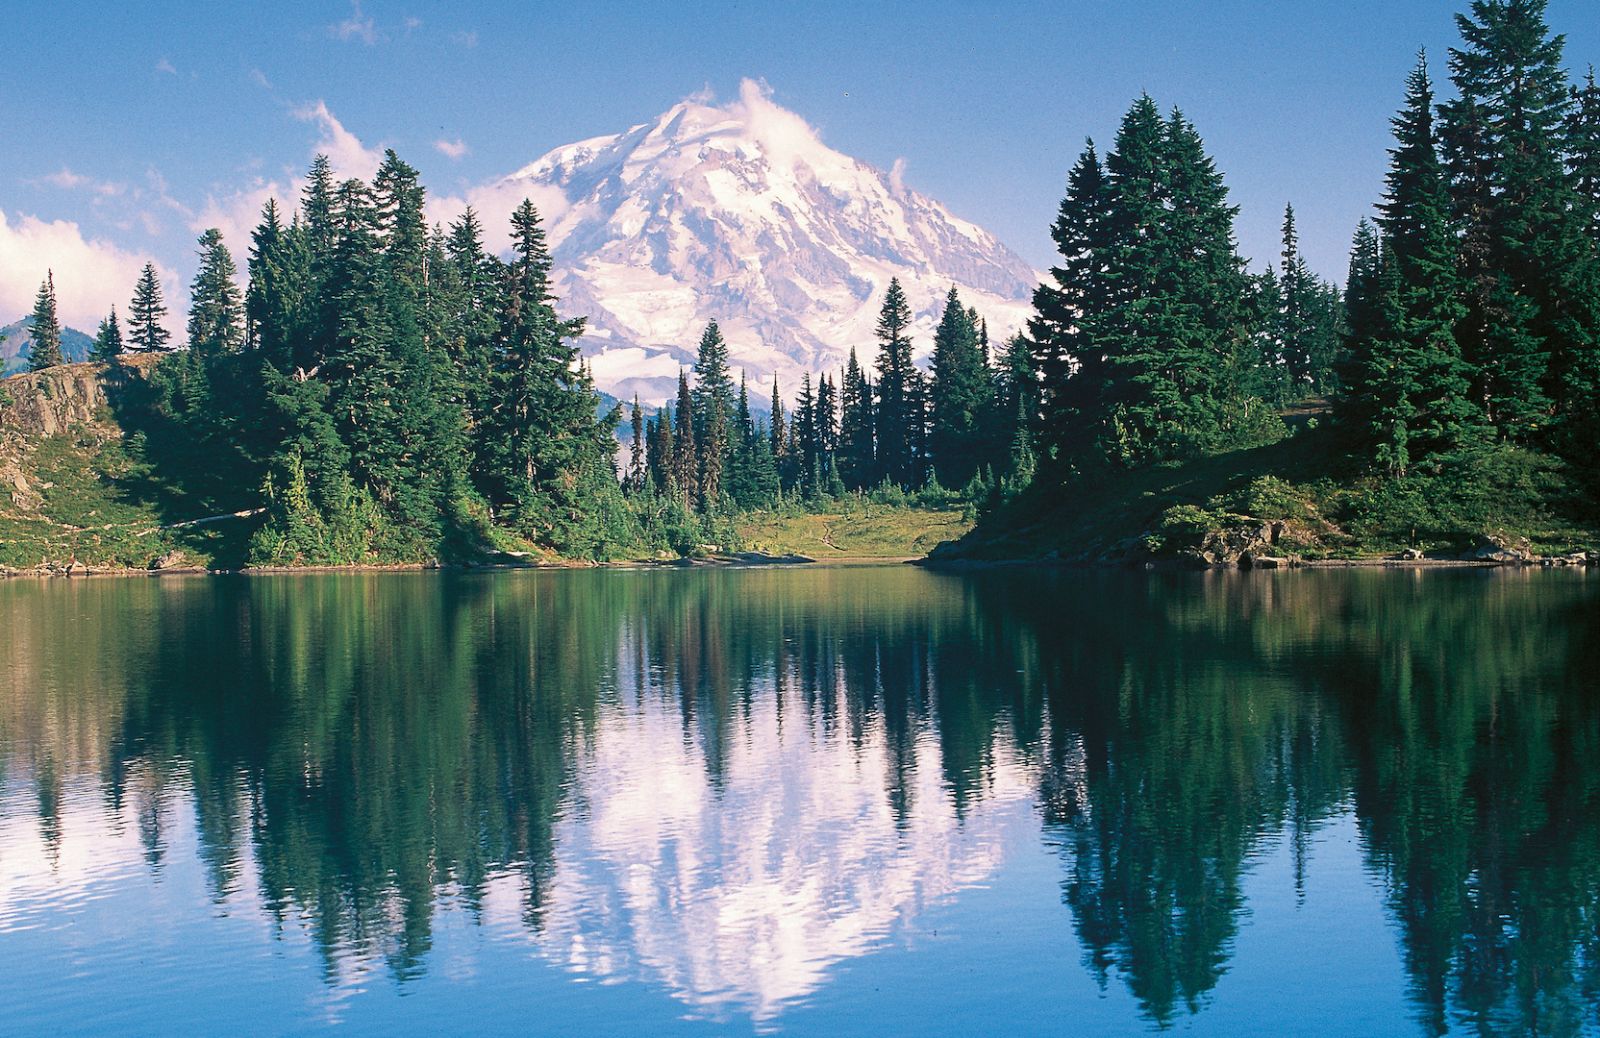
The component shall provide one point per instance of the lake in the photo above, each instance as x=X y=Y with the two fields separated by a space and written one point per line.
x=802 y=801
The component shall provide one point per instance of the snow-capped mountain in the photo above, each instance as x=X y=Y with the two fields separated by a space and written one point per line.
x=739 y=212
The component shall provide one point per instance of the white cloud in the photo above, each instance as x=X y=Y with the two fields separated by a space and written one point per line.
x=91 y=274
x=237 y=214
x=350 y=158
x=452 y=149
x=897 y=177
x=356 y=27
x=165 y=68
x=412 y=23
x=783 y=132
x=259 y=78
x=466 y=38
x=494 y=202
x=65 y=179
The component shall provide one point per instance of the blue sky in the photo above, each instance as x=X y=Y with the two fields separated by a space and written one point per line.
x=126 y=126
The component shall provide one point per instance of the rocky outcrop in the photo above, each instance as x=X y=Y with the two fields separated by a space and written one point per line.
x=1490 y=548
x=1239 y=543
x=57 y=400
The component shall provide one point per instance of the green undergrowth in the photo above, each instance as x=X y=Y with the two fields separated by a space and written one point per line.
x=1327 y=508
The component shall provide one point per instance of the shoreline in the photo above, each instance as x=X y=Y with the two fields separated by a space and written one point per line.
x=752 y=560
x=738 y=560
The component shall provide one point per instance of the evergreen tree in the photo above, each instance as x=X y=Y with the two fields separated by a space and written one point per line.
x=827 y=419
x=279 y=307
x=216 y=313
x=547 y=444
x=899 y=405
x=1410 y=378
x=963 y=397
x=804 y=431
x=1361 y=285
x=636 y=462
x=1530 y=255
x=1071 y=369
x=1016 y=403
x=1583 y=148
x=145 y=332
x=1307 y=320
x=685 y=455
x=44 y=328
x=856 y=460
x=778 y=434
x=107 y=339
x=713 y=400
x=1174 y=330
x=659 y=451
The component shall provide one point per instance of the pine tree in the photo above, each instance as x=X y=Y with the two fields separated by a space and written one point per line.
x=778 y=434
x=402 y=230
x=899 y=405
x=685 y=455
x=1071 y=369
x=856 y=454
x=547 y=443
x=1583 y=148
x=44 y=328
x=804 y=431
x=1016 y=402
x=1528 y=251
x=1308 y=319
x=636 y=463
x=216 y=313
x=827 y=420
x=279 y=306
x=713 y=400
x=107 y=339
x=145 y=332
x=1410 y=378
x=962 y=397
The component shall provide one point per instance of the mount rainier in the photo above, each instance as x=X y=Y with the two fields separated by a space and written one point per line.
x=739 y=212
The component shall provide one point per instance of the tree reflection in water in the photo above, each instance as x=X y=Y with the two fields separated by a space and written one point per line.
x=729 y=782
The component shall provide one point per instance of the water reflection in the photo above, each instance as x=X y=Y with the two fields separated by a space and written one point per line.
x=727 y=784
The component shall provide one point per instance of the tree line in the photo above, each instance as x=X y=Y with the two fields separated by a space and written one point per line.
x=892 y=427
x=398 y=390
x=1470 y=320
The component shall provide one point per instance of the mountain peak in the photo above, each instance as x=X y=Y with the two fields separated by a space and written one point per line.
x=739 y=212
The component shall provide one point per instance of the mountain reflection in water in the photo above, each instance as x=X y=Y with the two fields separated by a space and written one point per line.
x=727 y=786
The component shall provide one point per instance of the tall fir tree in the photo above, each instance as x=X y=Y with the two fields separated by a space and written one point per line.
x=1534 y=337
x=107 y=339
x=963 y=397
x=1412 y=383
x=856 y=455
x=1583 y=148
x=145 y=331
x=685 y=453
x=636 y=453
x=713 y=399
x=1071 y=369
x=899 y=403
x=216 y=311
x=44 y=328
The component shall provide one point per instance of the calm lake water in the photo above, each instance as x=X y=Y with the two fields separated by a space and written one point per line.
x=856 y=801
